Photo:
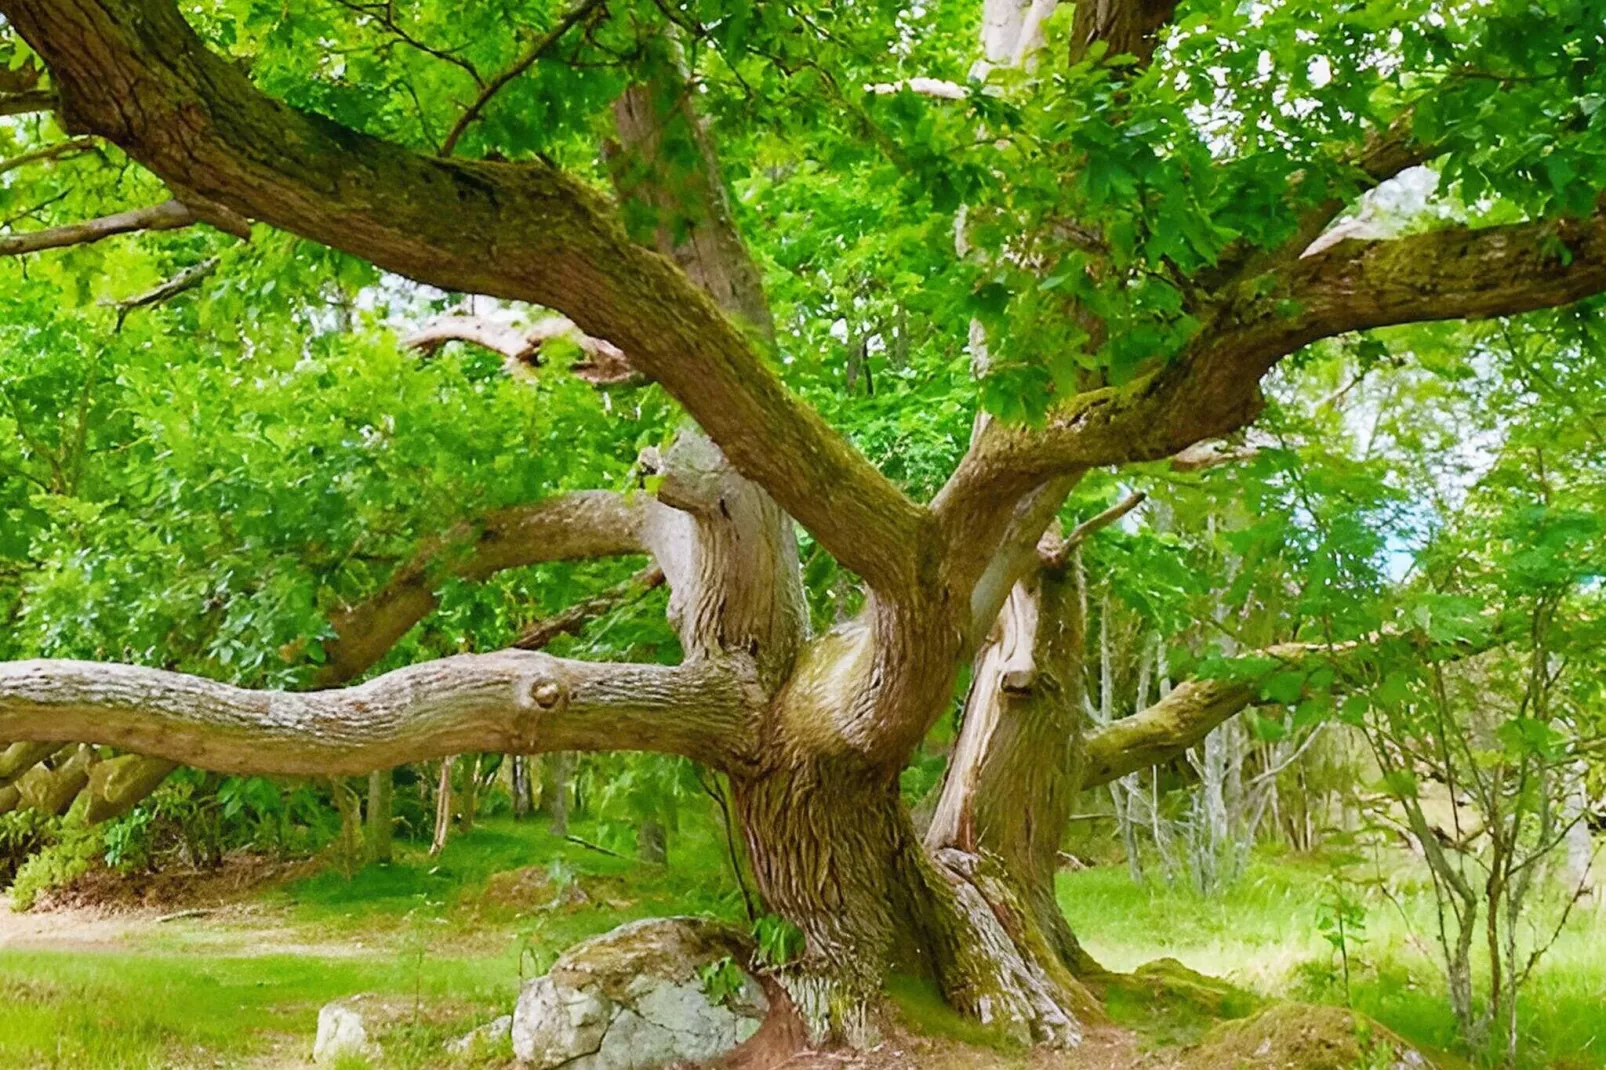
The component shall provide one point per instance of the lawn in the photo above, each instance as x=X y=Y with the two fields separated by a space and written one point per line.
x=441 y=945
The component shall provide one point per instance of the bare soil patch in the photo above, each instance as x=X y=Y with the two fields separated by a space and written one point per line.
x=240 y=876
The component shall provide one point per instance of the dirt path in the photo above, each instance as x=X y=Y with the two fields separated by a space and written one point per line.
x=229 y=931
x=67 y=930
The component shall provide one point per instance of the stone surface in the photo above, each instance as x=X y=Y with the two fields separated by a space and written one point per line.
x=640 y=997
x=340 y=1031
x=485 y=1037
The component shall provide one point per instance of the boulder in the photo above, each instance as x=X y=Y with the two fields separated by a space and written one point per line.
x=649 y=994
x=340 y=1032
x=484 y=1037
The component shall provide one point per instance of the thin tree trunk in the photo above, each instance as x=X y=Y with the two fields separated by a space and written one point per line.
x=523 y=789
x=556 y=769
x=468 y=803
x=443 y=808
x=652 y=842
x=381 y=789
x=350 y=842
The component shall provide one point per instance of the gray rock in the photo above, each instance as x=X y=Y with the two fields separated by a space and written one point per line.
x=636 y=998
x=340 y=1032
x=485 y=1036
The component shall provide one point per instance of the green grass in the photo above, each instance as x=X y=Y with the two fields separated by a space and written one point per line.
x=159 y=1009
x=419 y=932
x=425 y=937
x=1262 y=935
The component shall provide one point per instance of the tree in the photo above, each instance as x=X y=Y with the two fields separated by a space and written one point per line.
x=1147 y=190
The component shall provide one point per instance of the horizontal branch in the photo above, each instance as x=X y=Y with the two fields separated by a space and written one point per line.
x=26 y=103
x=1169 y=727
x=585 y=524
x=520 y=347
x=1164 y=730
x=169 y=215
x=509 y=702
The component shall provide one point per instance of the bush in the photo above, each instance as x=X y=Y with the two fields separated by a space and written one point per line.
x=75 y=849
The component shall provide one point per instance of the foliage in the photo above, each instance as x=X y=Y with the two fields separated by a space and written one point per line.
x=72 y=851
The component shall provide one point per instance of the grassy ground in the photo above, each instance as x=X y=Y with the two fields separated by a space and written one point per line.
x=440 y=943
x=1263 y=935
x=441 y=946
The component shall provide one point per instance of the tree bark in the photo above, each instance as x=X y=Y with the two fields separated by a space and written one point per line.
x=523 y=789
x=379 y=832
x=556 y=769
x=443 y=807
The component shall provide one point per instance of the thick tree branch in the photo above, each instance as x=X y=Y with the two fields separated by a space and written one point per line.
x=568 y=527
x=580 y=525
x=508 y=702
x=134 y=72
x=1455 y=273
x=1164 y=730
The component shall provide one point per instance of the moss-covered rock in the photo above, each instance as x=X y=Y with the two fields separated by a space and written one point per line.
x=1298 y=1036
x=649 y=994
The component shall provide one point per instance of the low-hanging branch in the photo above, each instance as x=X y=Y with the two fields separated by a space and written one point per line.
x=509 y=702
x=1163 y=731
x=581 y=525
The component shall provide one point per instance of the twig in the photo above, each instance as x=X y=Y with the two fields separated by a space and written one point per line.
x=381 y=14
x=522 y=64
x=596 y=847
x=1059 y=556
x=577 y=616
x=187 y=279
x=70 y=147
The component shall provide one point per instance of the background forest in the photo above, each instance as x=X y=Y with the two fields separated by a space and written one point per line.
x=210 y=448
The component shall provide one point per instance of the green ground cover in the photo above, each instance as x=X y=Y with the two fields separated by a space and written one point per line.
x=442 y=944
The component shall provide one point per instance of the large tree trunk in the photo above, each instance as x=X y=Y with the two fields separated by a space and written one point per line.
x=835 y=852
x=1015 y=772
